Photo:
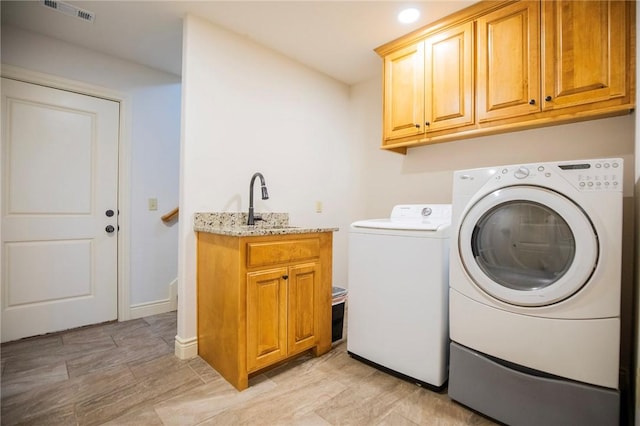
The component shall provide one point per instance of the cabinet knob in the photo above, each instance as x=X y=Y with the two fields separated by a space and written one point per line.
x=285 y=277
x=548 y=99
x=426 y=123
x=417 y=126
x=532 y=102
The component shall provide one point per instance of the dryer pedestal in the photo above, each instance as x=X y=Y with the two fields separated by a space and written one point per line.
x=518 y=396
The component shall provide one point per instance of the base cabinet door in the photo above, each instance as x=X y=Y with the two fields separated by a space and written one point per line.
x=266 y=317
x=303 y=298
x=281 y=313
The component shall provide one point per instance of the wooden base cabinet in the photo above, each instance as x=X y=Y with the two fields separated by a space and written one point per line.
x=262 y=300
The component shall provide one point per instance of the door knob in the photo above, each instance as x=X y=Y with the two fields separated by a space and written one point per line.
x=109 y=229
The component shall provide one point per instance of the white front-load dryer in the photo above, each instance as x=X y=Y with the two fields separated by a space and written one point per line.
x=535 y=271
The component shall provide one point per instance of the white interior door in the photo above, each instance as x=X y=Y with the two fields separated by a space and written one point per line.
x=59 y=180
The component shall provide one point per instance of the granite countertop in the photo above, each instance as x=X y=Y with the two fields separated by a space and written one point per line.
x=235 y=224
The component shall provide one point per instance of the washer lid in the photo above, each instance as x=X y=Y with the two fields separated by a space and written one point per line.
x=419 y=217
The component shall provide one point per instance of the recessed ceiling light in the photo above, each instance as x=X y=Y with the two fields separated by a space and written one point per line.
x=408 y=16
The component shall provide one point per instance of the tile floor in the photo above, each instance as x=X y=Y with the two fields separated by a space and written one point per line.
x=126 y=374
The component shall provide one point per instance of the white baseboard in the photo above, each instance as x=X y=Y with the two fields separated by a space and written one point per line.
x=158 y=306
x=186 y=349
x=150 y=308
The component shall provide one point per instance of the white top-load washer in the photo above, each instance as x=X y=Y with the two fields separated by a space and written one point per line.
x=398 y=292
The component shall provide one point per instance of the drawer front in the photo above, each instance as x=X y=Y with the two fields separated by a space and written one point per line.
x=275 y=252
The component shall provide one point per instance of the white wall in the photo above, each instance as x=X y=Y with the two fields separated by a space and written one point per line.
x=154 y=136
x=246 y=109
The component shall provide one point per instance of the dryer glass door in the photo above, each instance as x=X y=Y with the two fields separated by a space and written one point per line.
x=528 y=246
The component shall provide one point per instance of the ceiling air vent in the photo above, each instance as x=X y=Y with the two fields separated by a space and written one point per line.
x=70 y=10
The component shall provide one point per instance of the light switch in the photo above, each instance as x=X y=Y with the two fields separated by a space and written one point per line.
x=318 y=206
x=153 y=204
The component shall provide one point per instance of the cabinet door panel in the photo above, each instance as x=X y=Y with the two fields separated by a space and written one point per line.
x=508 y=62
x=266 y=317
x=585 y=52
x=303 y=298
x=404 y=92
x=449 y=78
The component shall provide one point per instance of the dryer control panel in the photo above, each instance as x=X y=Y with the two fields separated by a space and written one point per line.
x=594 y=175
x=584 y=175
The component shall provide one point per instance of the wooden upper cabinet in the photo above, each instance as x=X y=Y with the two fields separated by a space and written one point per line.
x=508 y=58
x=404 y=92
x=500 y=66
x=449 y=78
x=585 y=52
x=429 y=85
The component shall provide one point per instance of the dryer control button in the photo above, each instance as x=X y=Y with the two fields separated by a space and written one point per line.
x=521 y=173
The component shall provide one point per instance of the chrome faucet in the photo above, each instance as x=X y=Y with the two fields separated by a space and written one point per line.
x=265 y=196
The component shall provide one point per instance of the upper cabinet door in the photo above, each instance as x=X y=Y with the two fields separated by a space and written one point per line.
x=509 y=62
x=585 y=52
x=404 y=92
x=449 y=78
